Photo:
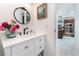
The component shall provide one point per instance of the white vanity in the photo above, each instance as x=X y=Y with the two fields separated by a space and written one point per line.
x=24 y=45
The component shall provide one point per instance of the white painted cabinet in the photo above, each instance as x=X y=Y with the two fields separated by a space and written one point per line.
x=39 y=44
x=23 y=49
x=7 y=51
x=31 y=47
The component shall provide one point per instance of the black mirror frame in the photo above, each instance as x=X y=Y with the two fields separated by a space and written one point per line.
x=22 y=9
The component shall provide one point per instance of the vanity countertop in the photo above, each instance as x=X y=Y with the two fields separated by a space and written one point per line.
x=7 y=42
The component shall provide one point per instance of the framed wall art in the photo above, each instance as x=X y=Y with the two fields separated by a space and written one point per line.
x=42 y=11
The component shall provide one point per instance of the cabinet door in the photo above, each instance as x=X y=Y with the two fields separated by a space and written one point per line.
x=23 y=49
x=7 y=51
x=39 y=44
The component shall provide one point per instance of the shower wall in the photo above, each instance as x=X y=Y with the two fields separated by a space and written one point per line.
x=67 y=46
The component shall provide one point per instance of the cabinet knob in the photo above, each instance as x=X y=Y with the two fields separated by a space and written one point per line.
x=26 y=47
x=40 y=39
x=40 y=47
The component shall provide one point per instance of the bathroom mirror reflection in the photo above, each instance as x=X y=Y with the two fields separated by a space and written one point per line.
x=66 y=27
x=22 y=15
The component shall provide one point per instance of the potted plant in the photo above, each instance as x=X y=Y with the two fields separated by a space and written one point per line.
x=9 y=28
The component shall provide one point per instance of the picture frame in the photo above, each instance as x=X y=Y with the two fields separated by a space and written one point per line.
x=42 y=11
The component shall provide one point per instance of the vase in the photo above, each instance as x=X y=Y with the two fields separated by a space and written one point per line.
x=10 y=34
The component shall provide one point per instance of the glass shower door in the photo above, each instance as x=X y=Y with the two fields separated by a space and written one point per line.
x=67 y=42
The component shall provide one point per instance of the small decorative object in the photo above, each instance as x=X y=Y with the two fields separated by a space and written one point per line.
x=42 y=11
x=10 y=28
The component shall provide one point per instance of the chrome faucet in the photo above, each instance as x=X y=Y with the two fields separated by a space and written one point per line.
x=24 y=30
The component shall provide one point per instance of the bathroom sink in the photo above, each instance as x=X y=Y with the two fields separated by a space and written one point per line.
x=26 y=36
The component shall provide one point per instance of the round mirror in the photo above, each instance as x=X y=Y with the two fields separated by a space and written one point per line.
x=22 y=15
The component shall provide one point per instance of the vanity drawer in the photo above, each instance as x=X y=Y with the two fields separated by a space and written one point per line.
x=23 y=49
x=39 y=49
x=40 y=40
x=39 y=44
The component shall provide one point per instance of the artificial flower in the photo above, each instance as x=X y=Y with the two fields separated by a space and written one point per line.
x=2 y=28
x=4 y=24
x=17 y=26
x=13 y=29
x=12 y=20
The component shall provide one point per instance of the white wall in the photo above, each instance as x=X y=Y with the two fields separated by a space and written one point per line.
x=7 y=9
x=48 y=26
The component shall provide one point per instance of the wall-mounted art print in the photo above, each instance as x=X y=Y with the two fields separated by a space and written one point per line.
x=42 y=11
